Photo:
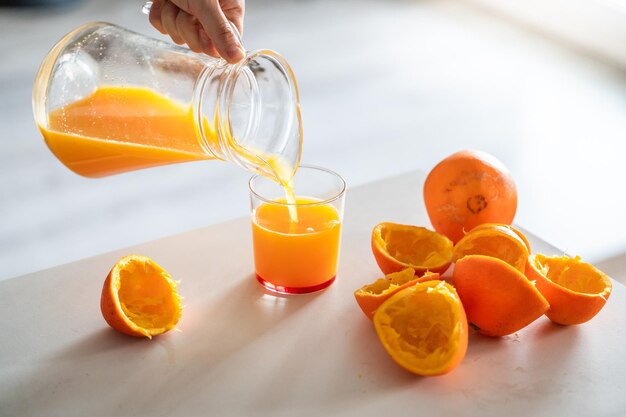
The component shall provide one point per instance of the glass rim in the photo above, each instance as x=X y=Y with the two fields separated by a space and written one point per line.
x=337 y=196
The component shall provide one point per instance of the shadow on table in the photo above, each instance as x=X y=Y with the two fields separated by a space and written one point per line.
x=217 y=325
x=215 y=332
x=102 y=340
x=521 y=366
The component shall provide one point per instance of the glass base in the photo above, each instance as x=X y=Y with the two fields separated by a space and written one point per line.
x=294 y=290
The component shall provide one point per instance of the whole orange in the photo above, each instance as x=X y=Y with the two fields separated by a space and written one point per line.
x=466 y=189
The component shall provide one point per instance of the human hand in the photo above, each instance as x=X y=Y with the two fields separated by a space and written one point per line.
x=202 y=24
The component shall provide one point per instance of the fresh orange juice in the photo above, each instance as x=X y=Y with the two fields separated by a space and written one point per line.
x=296 y=257
x=118 y=129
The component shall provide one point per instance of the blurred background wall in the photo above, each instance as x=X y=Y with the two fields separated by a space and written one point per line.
x=386 y=87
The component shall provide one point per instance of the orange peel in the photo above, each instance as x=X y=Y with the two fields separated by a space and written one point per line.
x=397 y=247
x=139 y=298
x=424 y=328
x=576 y=290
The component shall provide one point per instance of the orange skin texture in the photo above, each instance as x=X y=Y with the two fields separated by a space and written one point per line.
x=568 y=307
x=466 y=189
x=369 y=302
x=499 y=241
x=498 y=298
x=388 y=264
x=460 y=337
x=110 y=311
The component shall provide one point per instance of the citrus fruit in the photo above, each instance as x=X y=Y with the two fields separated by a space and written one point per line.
x=576 y=290
x=466 y=189
x=498 y=299
x=423 y=328
x=514 y=229
x=371 y=296
x=497 y=241
x=397 y=247
x=139 y=298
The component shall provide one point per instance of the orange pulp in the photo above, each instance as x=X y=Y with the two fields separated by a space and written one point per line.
x=119 y=129
x=297 y=257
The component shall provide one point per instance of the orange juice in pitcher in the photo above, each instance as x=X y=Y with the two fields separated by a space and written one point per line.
x=108 y=100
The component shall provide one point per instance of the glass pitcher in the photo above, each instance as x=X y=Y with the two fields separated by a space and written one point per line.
x=108 y=100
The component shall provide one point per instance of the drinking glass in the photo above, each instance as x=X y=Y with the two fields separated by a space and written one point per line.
x=295 y=257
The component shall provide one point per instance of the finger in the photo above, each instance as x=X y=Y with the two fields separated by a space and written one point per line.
x=207 y=44
x=217 y=27
x=155 y=15
x=187 y=6
x=234 y=11
x=187 y=27
x=168 y=19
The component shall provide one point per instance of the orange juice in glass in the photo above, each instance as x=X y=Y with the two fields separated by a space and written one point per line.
x=297 y=256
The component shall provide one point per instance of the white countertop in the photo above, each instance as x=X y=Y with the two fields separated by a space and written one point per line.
x=243 y=352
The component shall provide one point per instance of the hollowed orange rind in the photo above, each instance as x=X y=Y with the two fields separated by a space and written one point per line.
x=371 y=296
x=424 y=328
x=139 y=298
x=576 y=290
x=397 y=247
x=514 y=229
x=498 y=299
x=494 y=240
